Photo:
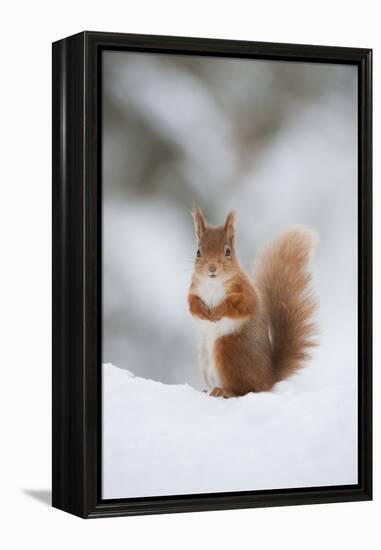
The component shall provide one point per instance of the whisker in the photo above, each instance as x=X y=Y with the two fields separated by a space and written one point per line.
x=185 y=261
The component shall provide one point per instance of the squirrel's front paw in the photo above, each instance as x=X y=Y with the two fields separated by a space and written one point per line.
x=198 y=308
x=203 y=315
x=215 y=316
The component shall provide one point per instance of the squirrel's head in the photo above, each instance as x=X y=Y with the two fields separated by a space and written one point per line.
x=215 y=256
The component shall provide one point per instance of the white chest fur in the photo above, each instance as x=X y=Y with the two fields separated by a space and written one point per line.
x=212 y=293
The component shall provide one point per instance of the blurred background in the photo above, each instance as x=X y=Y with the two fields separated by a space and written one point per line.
x=277 y=141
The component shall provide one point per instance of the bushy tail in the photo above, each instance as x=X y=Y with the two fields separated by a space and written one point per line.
x=284 y=282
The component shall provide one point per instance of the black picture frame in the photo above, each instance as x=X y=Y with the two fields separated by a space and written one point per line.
x=77 y=260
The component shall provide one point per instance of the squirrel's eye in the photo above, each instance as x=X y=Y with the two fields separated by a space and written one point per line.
x=198 y=253
x=227 y=252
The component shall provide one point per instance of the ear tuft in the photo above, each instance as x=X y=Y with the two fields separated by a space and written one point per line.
x=199 y=222
x=229 y=226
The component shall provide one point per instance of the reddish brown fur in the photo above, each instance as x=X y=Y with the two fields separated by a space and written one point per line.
x=285 y=284
x=240 y=301
x=243 y=361
x=213 y=242
x=280 y=303
x=197 y=307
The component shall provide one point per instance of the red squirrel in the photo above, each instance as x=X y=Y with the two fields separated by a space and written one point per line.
x=254 y=333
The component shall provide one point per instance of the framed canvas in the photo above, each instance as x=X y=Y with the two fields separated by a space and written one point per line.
x=184 y=377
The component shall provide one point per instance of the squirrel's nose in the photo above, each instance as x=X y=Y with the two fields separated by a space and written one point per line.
x=212 y=268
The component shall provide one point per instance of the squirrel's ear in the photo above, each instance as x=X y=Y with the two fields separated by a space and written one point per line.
x=199 y=222
x=229 y=226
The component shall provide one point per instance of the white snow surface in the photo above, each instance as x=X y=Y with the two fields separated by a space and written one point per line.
x=161 y=439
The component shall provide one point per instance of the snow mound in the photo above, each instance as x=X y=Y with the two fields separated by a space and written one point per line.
x=163 y=439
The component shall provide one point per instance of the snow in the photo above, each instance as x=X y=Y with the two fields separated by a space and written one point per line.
x=161 y=439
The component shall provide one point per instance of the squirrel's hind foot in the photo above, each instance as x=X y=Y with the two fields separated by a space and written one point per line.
x=219 y=392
